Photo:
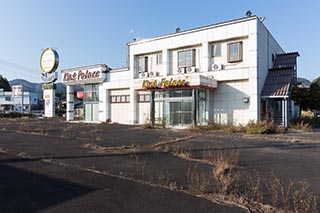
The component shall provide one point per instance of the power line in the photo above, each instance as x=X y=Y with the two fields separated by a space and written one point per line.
x=18 y=66
x=18 y=71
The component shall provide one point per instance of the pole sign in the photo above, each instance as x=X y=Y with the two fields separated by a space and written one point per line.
x=49 y=61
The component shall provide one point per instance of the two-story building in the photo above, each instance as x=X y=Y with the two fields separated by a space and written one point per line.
x=231 y=72
x=17 y=100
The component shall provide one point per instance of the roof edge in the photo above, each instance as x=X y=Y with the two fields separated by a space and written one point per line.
x=193 y=30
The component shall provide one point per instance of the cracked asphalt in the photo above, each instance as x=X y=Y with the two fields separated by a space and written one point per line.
x=52 y=173
x=47 y=174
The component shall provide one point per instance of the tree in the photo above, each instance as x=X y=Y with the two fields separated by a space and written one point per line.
x=4 y=84
x=307 y=98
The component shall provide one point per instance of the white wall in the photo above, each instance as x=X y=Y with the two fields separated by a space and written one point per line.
x=228 y=104
x=244 y=73
x=120 y=112
x=267 y=46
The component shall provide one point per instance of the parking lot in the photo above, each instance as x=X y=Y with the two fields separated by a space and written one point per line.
x=50 y=166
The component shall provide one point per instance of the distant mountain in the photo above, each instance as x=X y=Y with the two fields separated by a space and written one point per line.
x=304 y=82
x=35 y=87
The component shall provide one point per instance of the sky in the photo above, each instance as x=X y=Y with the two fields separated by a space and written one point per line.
x=97 y=31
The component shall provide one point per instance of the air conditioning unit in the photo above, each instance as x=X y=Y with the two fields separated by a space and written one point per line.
x=217 y=67
x=181 y=70
x=143 y=74
x=152 y=74
x=191 y=69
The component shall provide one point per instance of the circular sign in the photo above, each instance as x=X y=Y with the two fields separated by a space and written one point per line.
x=49 y=60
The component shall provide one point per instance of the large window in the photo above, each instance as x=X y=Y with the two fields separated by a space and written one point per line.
x=235 y=52
x=186 y=58
x=91 y=92
x=143 y=64
x=216 y=50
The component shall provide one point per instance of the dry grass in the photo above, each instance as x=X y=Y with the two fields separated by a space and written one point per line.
x=140 y=166
x=3 y=151
x=306 y=127
x=198 y=181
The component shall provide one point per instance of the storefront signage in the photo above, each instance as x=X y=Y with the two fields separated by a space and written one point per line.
x=81 y=75
x=49 y=86
x=164 y=83
x=49 y=60
x=48 y=97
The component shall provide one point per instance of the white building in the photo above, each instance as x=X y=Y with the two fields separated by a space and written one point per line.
x=17 y=100
x=231 y=72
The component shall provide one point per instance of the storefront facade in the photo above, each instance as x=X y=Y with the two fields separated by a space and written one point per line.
x=184 y=78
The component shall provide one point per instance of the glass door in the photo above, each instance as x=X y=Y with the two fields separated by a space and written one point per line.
x=179 y=113
x=91 y=111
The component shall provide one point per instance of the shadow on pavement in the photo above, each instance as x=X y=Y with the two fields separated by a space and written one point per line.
x=24 y=191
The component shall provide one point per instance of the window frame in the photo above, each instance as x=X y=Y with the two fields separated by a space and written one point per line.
x=193 y=60
x=119 y=99
x=144 y=98
x=142 y=64
x=213 y=52
x=158 y=58
x=239 y=54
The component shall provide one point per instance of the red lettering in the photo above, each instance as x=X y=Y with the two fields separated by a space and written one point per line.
x=81 y=75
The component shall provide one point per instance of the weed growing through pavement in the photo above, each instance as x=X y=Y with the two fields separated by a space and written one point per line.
x=140 y=166
x=198 y=181
x=306 y=127
x=3 y=151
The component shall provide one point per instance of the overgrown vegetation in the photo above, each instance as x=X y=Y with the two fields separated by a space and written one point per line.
x=16 y=115
x=301 y=125
x=253 y=127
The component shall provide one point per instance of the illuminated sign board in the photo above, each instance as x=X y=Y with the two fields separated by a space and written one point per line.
x=81 y=75
x=49 y=60
x=164 y=83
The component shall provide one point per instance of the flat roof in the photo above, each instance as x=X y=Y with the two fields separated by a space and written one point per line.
x=86 y=67
x=193 y=30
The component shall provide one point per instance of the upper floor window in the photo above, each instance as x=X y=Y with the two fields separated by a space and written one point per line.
x=143 y=64
x=216 y=50
x=186 y=58
x=159 y=58
x=235 y=52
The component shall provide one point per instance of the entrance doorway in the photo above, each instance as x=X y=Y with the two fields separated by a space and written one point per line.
x=179 y=113
x=91 y=102
x=91 y=112
x=180 y=107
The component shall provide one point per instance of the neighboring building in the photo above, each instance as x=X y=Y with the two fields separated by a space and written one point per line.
x=229 y=72
x=13 y=101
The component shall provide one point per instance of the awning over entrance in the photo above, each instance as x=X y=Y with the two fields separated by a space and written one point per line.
x=281 y=76
x=276 y=93
x=278 y=83
x=185 y=81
